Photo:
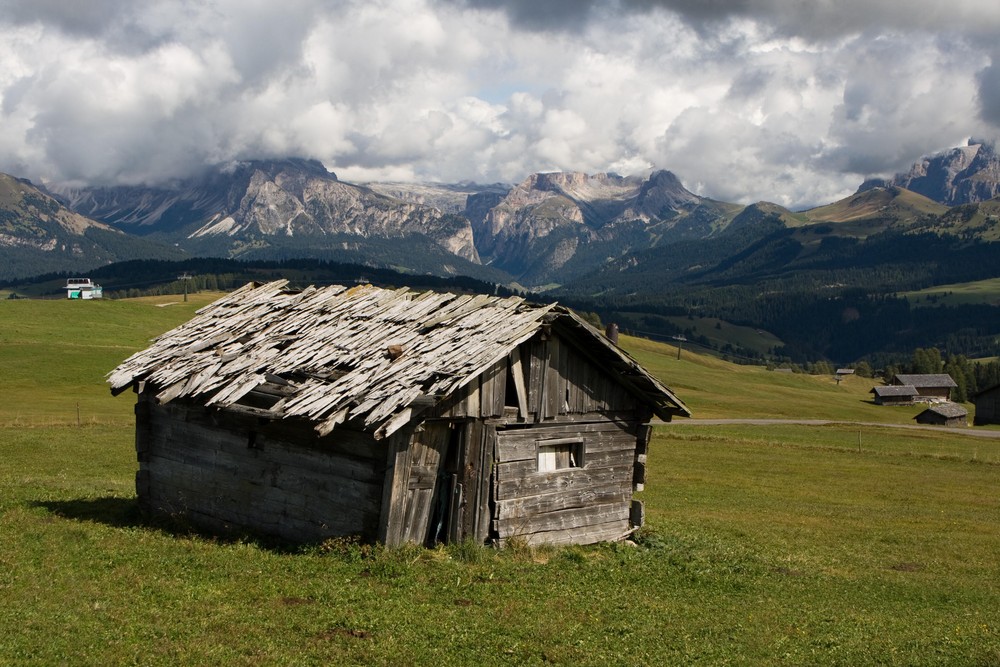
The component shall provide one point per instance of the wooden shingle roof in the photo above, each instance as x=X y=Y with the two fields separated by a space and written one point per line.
x=926 y=380
x=366 y=354
x=947 y=410
x=894 y=390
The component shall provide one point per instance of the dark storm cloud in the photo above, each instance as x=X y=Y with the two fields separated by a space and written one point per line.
x=87 y=19
x=989 y=90
x=810 y=19
x=537 y=14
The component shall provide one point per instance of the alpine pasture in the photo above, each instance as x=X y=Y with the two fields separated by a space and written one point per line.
x=765 y=543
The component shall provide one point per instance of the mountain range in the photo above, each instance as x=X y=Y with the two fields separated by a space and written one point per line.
x=38 y=234
x=633 y=247
x=549 y=230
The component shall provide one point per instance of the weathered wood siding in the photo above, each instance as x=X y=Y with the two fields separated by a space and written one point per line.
x=987 y=407
x=577 y=505
x=562 y=382
x=234 y=474
x=417 y=490
x=934 y=392
x=466 y=469
x=544 y=379
x=547 y=389
x=893 y=400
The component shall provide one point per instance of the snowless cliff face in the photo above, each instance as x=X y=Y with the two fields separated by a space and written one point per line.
x=964 y=175
x=286 y=198
x=548 y=218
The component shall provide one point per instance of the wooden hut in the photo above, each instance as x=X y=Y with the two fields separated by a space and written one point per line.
x=944 y=414
x=394 y=416
x=928 y=385
x=987 y=406
x=894 y=395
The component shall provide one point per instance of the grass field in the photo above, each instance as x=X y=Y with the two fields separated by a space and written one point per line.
x=719 y=333
x=55 y=354
x=765 y=544
x=959 y=294
x=715 y=389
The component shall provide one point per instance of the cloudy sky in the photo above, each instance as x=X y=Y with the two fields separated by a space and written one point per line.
x=790 y=101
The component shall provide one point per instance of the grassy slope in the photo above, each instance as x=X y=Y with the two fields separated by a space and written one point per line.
x=715 y=389
x=895 y=203
x=55 y=354
x=958 y=294
x=767 y=545
x=750 y=338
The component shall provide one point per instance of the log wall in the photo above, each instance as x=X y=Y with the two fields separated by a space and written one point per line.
x=235 y=475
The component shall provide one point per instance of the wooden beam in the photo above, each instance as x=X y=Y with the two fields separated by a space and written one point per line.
x=517 y=372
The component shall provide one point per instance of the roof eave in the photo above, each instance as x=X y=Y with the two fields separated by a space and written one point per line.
x=664 y=403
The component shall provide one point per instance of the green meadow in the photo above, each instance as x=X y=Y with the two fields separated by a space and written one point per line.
x=959 y=294
x=774 y=544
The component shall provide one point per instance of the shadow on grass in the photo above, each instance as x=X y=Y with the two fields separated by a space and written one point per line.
x=110 y=510
x=118 y=512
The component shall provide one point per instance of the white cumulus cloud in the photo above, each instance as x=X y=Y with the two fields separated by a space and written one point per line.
x=744 y=100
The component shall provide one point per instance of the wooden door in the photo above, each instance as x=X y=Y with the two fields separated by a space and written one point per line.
x=426 y=486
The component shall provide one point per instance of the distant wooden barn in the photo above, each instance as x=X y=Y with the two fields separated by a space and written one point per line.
x=395 y=416
x=987 y=406
x=894 y=395
x=944 y=414
x=928 y=385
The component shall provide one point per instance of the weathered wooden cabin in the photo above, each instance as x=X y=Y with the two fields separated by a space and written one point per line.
x=944 y=414
x=987 y=406
x=894 y=394
x=394 y=416
x=929 y=386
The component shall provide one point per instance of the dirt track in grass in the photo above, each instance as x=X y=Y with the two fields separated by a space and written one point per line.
x=978 y=433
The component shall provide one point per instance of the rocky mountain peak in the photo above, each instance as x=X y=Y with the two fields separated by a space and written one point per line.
x=663 y=194
x=24 y=208
x=268 y=204
x=962 y=175
x=38 y=234
x=276 y=167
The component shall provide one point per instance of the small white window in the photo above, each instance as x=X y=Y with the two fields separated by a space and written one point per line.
x=559 y=454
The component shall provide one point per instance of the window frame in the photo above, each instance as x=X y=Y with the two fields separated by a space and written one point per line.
x=575 y=447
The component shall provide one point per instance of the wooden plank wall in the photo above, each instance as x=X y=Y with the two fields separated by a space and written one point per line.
x=563 y=383
x=560 y=383
x=345 y=483
x=573 y=505
x=987 y=407
x=481 y=398
x=225 y=475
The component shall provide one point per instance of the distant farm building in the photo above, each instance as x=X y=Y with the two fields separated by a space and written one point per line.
x=987 y=406
x=845 y=371
x=395 y=416
x=944 y=414
x=894 y=395
x=83 y=288
x=929 y=386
